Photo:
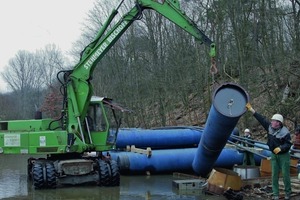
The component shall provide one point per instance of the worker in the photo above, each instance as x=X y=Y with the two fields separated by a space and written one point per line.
x=247 y=135
x=279 y=142
x=248 y=155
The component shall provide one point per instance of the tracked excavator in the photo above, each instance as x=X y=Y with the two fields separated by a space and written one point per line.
x=61 y=146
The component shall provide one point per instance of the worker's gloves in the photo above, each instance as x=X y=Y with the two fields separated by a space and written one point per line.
x=249 y=108
x=276 y=150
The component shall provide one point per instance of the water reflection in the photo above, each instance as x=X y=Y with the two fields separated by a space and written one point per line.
x=144 y=187
x=14 y=185
x=82 y=193
x=13 y=177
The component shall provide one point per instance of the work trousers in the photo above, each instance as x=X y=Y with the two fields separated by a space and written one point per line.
x=281 y=162
x=248 y=158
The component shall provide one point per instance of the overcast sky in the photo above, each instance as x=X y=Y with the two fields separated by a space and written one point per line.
x=32 y=24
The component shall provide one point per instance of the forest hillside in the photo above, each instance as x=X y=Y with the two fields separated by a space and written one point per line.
x=164 y=75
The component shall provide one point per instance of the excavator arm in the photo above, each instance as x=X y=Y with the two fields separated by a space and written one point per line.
x=79 y=89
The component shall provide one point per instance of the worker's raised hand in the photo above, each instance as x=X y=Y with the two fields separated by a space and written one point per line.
x=249 y=108
x=276 y=150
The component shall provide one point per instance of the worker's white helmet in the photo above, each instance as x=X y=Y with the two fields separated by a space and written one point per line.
x=277 y=117
x=247 y=130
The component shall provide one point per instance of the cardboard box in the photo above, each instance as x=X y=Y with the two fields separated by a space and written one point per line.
x=266 y=168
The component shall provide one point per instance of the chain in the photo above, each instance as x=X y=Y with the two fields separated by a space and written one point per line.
x=213 y=67
x=229 y=106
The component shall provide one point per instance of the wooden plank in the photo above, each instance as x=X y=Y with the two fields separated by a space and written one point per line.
x=147 y=152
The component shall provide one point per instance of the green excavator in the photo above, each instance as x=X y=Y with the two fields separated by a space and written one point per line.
x=84 y=127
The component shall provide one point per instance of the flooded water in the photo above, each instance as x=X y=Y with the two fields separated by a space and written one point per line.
x=14 y=185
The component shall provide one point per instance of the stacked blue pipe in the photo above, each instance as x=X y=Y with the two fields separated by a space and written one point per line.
x=160 y=138
x=170 y=160
x=229 y=101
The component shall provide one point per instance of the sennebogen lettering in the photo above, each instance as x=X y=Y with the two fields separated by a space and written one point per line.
x=94 y=57
x=116 y=32
x=104 y=45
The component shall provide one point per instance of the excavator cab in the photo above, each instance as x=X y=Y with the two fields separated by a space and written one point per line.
x=104 y=120
x=96 y=118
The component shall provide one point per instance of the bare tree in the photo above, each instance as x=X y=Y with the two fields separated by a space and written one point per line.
x=28 y=75
x=21 y=76
x=50 y=60
x=21 y=72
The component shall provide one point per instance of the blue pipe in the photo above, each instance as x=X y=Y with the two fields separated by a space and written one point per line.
x=258 y=158
x=162 y=138
x=229 y=101
x=171 y=160
x=235 y=132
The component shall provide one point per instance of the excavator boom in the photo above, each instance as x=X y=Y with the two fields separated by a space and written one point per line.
x=79 y=88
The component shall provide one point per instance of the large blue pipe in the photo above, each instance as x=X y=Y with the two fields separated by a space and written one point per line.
x=229 y=101
x=179 y=160
x=162 y=138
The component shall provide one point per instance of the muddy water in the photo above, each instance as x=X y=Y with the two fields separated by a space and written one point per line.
x=14 y=185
